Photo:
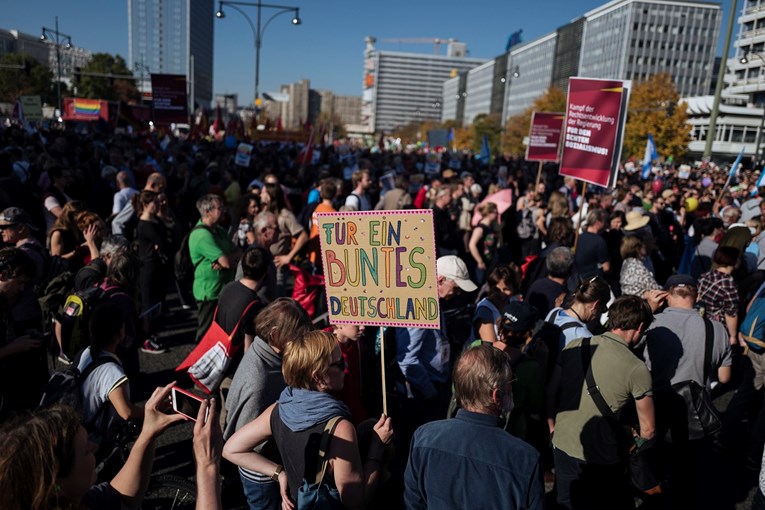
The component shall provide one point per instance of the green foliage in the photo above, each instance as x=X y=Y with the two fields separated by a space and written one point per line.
x=102 y=87
x=654 y=109
x=35 y=79
x=489 y=124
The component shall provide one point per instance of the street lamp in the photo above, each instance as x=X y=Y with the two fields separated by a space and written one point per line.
x=258 y=29
x=57 y=38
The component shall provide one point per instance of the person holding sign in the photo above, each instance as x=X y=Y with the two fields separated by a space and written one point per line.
x=423 y=354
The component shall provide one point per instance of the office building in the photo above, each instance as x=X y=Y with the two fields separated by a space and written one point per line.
x=401 y=87
x=173 y=37
x=622 y=39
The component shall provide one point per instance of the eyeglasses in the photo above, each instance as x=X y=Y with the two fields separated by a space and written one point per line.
x=339 y=364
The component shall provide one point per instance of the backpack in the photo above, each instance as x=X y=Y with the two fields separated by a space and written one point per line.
x=53 y=296
x=552 y=335
x=64 y=388
x=526 y=228
x=753 y=325
x=184 y=267
x=75 y=316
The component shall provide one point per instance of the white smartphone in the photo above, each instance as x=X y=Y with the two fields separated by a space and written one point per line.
x=186 y=404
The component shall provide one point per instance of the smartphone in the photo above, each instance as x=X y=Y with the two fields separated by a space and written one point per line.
x=185 y=403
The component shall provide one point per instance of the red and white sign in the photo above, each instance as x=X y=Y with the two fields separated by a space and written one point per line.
x=592 y=134
x=544 y=136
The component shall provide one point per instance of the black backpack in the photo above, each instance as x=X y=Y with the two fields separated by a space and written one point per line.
x=184 y=267
x=551 y=335
x=306 y=215
x=64 y=388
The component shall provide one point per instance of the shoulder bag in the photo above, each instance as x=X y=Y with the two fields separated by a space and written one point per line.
x=318 y=495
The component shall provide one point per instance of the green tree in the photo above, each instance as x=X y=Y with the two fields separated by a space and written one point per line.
x=489 y=124
x=517 y=126
x=103 y=87
x=33 y=78
x=654 y=109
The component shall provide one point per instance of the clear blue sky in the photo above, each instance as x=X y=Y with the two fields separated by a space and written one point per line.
x=328 y=47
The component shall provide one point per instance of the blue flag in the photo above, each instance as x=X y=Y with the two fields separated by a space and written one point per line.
x=650 y=156
x=760 y=181
x=450 y=138
x=734 y=167
x=485 y=155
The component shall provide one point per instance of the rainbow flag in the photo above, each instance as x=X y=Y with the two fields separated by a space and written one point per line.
x=85 y=109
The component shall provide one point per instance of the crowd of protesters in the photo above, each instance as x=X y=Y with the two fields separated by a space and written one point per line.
x=544 y=286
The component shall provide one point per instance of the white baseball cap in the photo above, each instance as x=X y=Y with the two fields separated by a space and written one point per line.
x=453 y=268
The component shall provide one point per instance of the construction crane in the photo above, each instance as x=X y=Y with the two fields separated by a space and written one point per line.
x=435 y=41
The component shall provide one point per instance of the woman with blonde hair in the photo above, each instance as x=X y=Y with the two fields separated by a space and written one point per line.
x=557 y=207
x=484 y=240
x=313 y=366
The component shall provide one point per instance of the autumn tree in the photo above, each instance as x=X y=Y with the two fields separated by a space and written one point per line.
x=654 y=109
x=489 y=124
x=517 y=126
x=90 y=85
x=21 y=75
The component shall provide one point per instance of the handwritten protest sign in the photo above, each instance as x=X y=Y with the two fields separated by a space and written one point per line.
x=380 y=268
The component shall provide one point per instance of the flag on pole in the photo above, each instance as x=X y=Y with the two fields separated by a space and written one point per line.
x=736 y=164
x=485 y=155
x=760 y=181
x=650 y=156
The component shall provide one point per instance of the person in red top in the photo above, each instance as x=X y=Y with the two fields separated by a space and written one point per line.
x=327 y=192
x=348 y=336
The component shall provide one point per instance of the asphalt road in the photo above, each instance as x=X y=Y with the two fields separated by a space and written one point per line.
x=726 y=484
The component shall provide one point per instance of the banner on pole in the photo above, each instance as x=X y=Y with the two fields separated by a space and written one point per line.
x=544 y=136
x=243 y=155
x=169 y=99
x=595 y=114
x=380 y=268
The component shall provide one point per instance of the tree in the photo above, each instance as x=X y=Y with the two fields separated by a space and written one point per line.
x=489 y=124
x=517 y=126
x=32 y=78
x=654 y=109
x=338 y=126
x=102 y=87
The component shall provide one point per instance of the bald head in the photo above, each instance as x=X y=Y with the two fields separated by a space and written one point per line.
x=123 y=179
x=155 y=182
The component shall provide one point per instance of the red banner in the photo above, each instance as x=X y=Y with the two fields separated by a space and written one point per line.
x=544 y=136
x=595 y=115
x=169 y=99
x=85 y=109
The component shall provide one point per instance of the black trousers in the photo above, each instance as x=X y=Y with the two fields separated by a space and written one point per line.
x=205 y=313
x=583 y=486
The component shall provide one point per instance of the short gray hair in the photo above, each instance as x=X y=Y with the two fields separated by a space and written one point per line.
x=559 y=262
x=262 y=220
x=206 y=203
x=113 y=245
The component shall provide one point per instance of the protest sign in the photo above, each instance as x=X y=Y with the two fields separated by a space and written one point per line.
x=380 y=268
x=243 y=155
x=87 y=110
x=32 y=108
x=169 y=99
x=544 y=136
x=595 y=116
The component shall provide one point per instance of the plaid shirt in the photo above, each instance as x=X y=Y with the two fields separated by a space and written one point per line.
x=719 y=294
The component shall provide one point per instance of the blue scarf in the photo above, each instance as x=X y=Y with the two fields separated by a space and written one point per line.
x=302 y=409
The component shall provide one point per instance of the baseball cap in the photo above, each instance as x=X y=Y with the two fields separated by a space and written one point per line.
x=453 y=268
x=680 y=280
x=17 y=216
x=518 y=317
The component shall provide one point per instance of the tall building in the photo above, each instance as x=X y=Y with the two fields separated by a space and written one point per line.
x=295 y=110
x=173 y=37
x=622 y=39
x=403 y=87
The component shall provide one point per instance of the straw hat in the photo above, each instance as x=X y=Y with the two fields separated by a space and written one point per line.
x=636 y=220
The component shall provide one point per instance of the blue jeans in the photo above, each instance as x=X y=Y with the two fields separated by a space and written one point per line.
x=262 y=496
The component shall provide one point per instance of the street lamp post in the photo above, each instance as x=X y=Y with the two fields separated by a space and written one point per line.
x=57 y=38
x=745 y=60
x=258 y=29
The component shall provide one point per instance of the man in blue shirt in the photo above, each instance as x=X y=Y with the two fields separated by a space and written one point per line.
x=469 y=461
x=423 y=354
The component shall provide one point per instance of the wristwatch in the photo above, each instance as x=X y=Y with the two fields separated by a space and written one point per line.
x=279 y=469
